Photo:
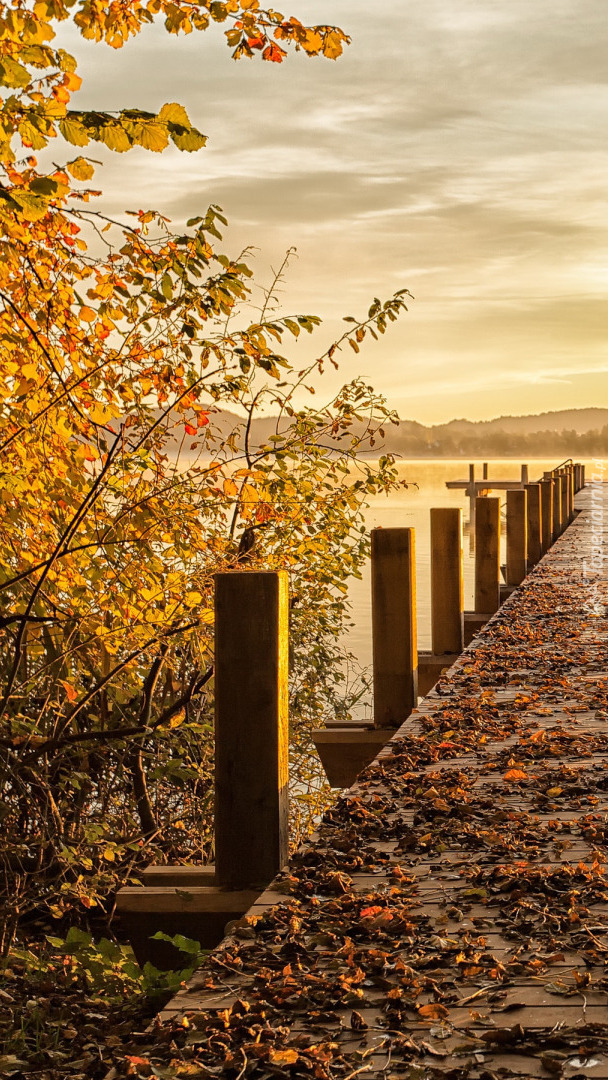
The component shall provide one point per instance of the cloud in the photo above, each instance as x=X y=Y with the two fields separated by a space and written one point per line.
x=456 y=149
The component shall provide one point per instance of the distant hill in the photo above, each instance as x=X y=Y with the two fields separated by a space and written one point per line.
x=566 y=432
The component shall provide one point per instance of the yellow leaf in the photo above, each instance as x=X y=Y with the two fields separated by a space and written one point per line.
x=80 y=169
x=172 y=113
x=109 y=855
x=249 y=494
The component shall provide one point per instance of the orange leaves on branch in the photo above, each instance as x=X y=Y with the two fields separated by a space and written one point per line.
x=274 y=53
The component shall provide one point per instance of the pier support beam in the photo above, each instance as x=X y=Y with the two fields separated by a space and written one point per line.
x=571 y=490
x=447 y=597
x=487 y=555
x=517 y=537
x=395 y=647
x=535 y=524
x=546 y=498
x=563 y=480
x=557 y=506
x=251 y=778
x=447 y=584
x=345 y=751
x=251 y=739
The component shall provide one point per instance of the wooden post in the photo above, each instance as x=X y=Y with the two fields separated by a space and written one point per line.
x=472 y=493
x=517 y=536
x=582 y=476
x=485 y=470
x=563 y=479
x=534 y=516
x=487 y=555
x=557 y=506
x=447 y=588
x=571 y=491
x=546 y=498
x=524 y=475
x=566 y=476
x=395 y=646
x=251 y=739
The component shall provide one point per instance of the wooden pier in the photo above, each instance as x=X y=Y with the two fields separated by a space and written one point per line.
x=474 y=488
x=450 y=916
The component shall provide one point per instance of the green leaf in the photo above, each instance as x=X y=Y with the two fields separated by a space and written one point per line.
x=184 y=944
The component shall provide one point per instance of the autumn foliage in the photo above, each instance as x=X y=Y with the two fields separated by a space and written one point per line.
x=123 y=486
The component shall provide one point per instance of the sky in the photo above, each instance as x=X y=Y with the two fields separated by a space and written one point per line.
x=458 y=150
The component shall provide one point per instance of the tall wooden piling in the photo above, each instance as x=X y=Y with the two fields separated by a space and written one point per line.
x=546 y=498
x=571 y=490
x=251 y=738
x=447 y=588
x=395 y=646
x=563 y=479
x=557 y=505
x=524 y=475
x=487 y=555
x=534 y=519
x=517 y=536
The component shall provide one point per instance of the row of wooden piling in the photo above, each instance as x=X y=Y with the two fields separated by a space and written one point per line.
x=251 y=698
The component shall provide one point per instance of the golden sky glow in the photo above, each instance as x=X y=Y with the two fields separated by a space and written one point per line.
x=458 y=149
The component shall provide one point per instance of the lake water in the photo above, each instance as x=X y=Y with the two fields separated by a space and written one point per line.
x=411 y=508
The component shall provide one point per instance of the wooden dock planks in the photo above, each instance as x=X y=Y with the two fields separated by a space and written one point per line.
x=450 y=916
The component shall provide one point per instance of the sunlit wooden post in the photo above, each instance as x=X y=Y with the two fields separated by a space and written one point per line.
x=568 y=513
x=534 y=518
x=582 y=476
x=472 y=494
x=557 y=505
x=447 y=588
x=546 y=497
x=251 y=715
x=571 y=491
x=517 y=536
x=524 y=475
x=487 y=555
x=395 y=646
x=563 y=479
